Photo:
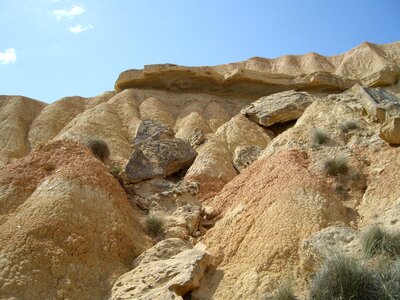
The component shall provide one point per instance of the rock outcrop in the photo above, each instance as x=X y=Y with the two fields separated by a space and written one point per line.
x=16 y=116
x=213 y=167
x=66 y=226
x=157 y=153
x=169 y=270
x=278 y=108
x=368 y=64
x=180 y=209
x=390 y=129
x=249 y=180
x=267 y=211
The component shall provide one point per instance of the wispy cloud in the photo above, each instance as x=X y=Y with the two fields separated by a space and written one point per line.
x=61 y=14
x=79 y=28
x=8 y=56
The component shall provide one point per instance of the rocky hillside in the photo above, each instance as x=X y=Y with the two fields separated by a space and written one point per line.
x=224 y=182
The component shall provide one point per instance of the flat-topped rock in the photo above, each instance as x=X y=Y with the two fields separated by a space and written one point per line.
x=278 y=108
x=169 y=270
x=257 y=76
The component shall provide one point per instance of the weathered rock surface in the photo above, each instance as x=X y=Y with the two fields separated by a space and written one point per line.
x=267 y=211
x=213 y=167
x=157 y=152
x=278 y=108
x=244 y=156
x=157 y=110
x=180 y=209
x=16 y=116
x=169 y=270
x=368 y=64
x=376 y=101
x=390 y=129
x=54 y=118
x=327 y=242
x=67 y=231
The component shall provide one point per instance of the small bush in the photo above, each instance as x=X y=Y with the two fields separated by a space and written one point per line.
x=336 y=166
x=284 y=292
x=377 y=241
x=371 y=240
x=389 y=278
x=319 y=137
x=154 y=225
x=348 y=126
x=116 y=171
x=99 y=148
x=344 y=278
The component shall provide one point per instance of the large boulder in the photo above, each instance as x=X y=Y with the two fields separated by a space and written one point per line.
x=167 y=271
x=157 y=152
x=375 y=101
x=278 y=108
x=390 y=129
x=66 y=231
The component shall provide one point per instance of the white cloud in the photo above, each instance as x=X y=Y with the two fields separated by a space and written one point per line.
x=68 y=14
x=79 y=28
x=8 y=56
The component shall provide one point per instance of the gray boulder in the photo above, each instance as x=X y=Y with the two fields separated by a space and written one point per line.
x=376 y=102
x=278 y=108
x=157 y=153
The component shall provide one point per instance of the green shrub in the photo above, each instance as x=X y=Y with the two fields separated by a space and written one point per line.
x=99 y=148
x=284 y=292
x=154 y=225
x=336 y=166
x=348 y=126
x=377 y=241
x=319 y=137
x=116 y=171
x=344 y=278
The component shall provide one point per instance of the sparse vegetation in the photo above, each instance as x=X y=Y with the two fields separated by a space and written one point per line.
x=154 y=225
x=99 y=148
x=336 y=166
x=348 y=126
x=371 y=240
x=116 y=171
x=344 y=278
x=284 y=292
x=319 y=137
x=377 y=241
x=389 y=280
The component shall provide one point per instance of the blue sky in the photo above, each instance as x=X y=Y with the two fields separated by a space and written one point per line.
x=55 y=48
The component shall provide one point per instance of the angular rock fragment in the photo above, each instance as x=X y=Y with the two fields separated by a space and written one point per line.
x=245 y=155
x=376 y=101
x=157 y=153
x=169 y=270
x=179 y=207
x=278 y=108
x=390 y=129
